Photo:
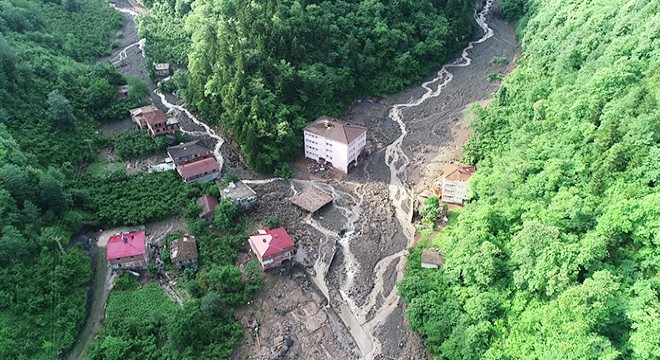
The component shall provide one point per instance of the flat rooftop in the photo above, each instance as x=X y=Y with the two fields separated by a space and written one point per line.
x=237 y=190
x=311 y=199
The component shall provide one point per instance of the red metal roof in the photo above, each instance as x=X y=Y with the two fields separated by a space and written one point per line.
x=270 y=242
x=208 y=204
x=124 y=245
x=208 y=165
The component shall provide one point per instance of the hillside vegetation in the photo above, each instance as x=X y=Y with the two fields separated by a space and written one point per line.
x=558 y=255
x=52 y=99
x=263 y=70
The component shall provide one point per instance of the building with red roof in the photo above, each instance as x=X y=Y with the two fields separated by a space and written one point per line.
x=272 y=247
x=127 y=251
x=154 y=120
x=208 y=204
x=455 y=188
x=202 y=170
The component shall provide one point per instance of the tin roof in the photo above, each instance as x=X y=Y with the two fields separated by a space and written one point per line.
x=268 y=242
x=186 y=149
x=123 y=245
x=208 y=165
x=433 y=257
x=208 y=204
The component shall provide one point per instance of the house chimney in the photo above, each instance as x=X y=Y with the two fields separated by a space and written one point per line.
x=124 y=239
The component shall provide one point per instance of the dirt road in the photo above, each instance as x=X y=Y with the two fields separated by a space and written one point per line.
x=341 y=301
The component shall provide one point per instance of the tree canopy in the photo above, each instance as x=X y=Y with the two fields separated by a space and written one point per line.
x=558 y=257
x=263 y=70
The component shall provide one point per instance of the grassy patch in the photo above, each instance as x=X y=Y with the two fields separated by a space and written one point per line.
x=104 y=170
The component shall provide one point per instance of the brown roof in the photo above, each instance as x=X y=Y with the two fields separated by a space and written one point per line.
x=334 y=129
x=311 y=199
x=154 y=117
x=183 y=249
x=434 y=257
x=208 y=204
x=458 y=171
x=208 y=165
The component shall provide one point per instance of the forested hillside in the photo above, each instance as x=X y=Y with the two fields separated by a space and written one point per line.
x=52 y=99
x=263 y=70
x=558 y=255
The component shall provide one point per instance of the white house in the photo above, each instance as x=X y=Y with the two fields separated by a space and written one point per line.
x=336 y=142
x=455 y=182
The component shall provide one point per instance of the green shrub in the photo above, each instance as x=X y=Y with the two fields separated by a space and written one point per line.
x=284 y=172
x=273 y=221
x=499 y=61
x=429 y=212
x=495 y=77
x=138 y=144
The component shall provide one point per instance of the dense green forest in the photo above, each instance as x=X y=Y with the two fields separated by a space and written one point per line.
x=557 y=256
x=52 y=99
x=263 y=70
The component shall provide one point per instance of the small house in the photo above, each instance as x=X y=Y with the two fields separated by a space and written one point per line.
x=432 y=258
x=272 y=247
x=201 y=170
x=208 y=204
x=122 y=92
x=188 y=152
x=241 y=195
x=127 y=251
x=334 y=142
x=154 y=120
x=162 y=69
x=455 y=188
x=183 y=252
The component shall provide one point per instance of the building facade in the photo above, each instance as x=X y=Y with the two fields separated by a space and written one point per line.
x=455 y=189
x=334 y=142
